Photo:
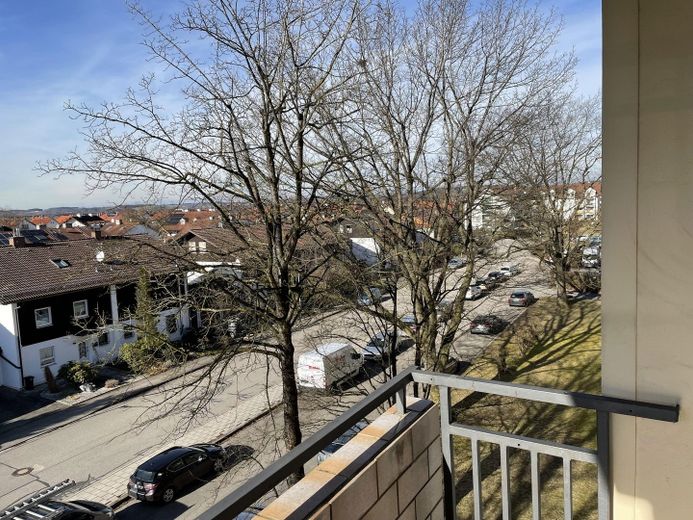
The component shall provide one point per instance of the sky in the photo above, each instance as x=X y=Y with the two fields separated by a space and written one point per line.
x=86 y=51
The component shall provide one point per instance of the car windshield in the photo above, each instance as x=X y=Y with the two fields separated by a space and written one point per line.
x=145 y=476
x=518 y=295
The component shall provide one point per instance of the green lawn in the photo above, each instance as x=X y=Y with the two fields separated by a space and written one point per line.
x=553 y=345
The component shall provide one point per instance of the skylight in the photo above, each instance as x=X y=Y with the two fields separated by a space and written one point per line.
x=60 y=263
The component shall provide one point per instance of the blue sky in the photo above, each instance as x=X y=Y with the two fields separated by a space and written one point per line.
x=89 y=51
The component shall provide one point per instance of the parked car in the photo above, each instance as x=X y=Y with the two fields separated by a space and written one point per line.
x=521 y=298
x=485 y=283
x=487 y=324
x=328 y=365
x=456 y=262
x=77 y=509
x=591 y=257
x=498 y=276
x=162 y=477
x=370 y=296
x=409 y=320
x=474 y=292
x=378 y=346
x=341 y=441
x=510 y=270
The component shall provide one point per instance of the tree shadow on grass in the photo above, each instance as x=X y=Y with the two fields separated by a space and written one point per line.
x=557 y=350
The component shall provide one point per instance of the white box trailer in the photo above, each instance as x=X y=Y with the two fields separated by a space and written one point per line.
x=327 y=365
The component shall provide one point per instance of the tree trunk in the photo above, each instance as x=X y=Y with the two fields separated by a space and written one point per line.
x=561 y=282
x=292 y=425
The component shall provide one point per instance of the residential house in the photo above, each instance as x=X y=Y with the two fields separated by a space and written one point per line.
x=181 y=220
x=361 y=235
x=72 y=300
x=79 y=220
x=44 y=221
x=579 y=200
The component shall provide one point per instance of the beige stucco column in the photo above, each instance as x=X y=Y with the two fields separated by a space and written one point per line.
x=648 y=249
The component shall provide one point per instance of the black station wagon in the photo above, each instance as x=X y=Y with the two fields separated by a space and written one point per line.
x=164 y=475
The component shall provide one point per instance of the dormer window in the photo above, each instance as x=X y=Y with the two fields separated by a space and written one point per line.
x=60 y=263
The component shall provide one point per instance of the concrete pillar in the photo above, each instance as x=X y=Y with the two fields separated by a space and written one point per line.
x=648 y=246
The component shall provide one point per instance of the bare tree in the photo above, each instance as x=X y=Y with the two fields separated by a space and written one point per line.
x=446 y=95
x=260 y=81
x=554 y=184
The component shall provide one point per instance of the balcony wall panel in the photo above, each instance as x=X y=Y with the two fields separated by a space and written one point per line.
x=648 y=246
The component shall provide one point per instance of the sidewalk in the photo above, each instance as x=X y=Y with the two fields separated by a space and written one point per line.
x=112 y=488
x=20 y=429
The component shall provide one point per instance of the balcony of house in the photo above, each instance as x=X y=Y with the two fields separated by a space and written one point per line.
x=416 y=461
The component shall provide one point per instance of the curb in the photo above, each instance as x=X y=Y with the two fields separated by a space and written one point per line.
x=123 y=499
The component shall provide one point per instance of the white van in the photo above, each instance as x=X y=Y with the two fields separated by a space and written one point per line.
x=510 y=270
x=327 y=365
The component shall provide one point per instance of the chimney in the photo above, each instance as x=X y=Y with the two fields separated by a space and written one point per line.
x=17 y=241
x=96 y=234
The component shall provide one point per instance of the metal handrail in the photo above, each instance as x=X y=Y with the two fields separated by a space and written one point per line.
x=600 y=403
x=256 y=487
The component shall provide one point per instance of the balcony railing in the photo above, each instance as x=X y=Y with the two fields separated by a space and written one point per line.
x=262 y=483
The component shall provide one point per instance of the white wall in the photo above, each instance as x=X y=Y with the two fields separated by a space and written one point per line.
x=365 y=250
x=9 y=375
x=647 y=217
x=66 y=348
x=182 y=318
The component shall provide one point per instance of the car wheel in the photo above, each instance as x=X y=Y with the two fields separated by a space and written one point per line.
x=219 y=465
x=168 y=495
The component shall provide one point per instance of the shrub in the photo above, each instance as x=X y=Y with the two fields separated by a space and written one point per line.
x=145 y=354
x=78 y=372
x=111 y=383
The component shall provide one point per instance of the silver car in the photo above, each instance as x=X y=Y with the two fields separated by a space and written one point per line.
x=378 y=347
x=521 y=298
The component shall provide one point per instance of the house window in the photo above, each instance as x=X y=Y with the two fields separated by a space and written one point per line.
x=80 y=309
x=202 y=246
x=349 y=229
x=43 y=317
x=192 y=246
x=82 y=349
x=47 y=356
x=171 y=324
x=102 y=339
